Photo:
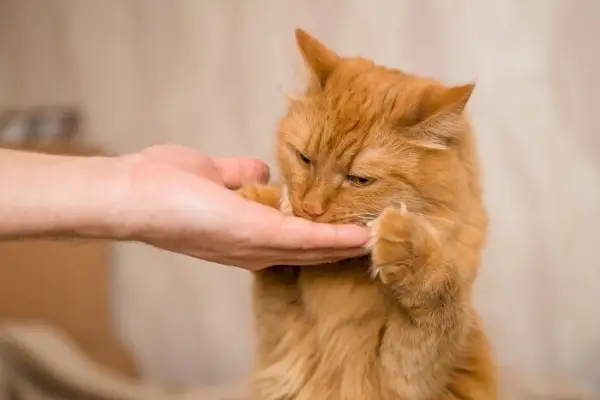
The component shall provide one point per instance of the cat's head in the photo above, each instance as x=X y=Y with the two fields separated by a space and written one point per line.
x=364 y=137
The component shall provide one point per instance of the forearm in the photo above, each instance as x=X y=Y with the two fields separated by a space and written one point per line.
x=50 y=195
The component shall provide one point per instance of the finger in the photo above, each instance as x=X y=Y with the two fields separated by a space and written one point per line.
x=235 y=171
x=316 y=258
x=297 y=233
x=302 y=259
x=295 y=258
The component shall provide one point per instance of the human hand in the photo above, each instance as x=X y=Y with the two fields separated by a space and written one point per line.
x=184 y=204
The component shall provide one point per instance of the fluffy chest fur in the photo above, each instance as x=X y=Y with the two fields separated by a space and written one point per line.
x=338 y=321
x=338 y=335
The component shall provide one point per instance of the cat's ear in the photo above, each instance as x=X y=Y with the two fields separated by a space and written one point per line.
x=440 y=116
x=320 y=60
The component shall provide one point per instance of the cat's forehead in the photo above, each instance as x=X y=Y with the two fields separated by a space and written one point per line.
x=343 y=144
x=345 y=127
x=343 y=138
x=360 y=109
x=357 y=148
x=372 y=93
x=331 y=136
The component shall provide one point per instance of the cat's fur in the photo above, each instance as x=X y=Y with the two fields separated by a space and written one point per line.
x=370 y=145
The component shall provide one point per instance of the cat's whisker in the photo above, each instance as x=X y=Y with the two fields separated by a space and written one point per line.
x=396 y=203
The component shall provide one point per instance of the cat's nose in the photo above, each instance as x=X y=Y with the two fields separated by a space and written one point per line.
x=313 y=209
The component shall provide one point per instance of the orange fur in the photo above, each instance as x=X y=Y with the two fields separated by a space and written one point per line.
x=370 y=145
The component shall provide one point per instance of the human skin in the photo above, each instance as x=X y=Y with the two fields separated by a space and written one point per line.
x=168 y=196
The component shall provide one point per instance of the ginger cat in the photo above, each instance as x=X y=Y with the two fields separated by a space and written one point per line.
x=375 y=146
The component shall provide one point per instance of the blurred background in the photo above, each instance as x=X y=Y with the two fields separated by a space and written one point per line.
x=118 y=75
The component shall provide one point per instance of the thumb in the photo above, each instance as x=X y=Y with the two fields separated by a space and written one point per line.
x=235 y=171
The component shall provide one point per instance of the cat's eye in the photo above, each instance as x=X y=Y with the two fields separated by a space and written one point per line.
x=302 y=158
x=360 y=180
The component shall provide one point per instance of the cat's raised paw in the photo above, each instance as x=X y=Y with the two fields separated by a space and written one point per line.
x=390 y=243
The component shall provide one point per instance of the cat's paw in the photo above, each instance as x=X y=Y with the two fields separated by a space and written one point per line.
x=264 y=194
x=391 y=243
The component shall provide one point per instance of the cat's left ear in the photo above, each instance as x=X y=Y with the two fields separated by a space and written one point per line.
x=440 y=119
x=319 y=58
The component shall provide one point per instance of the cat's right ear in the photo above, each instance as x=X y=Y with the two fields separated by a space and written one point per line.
x=320 y=60
x=441 y=112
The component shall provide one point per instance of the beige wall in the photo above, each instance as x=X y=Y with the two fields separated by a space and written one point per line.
x=209 y=74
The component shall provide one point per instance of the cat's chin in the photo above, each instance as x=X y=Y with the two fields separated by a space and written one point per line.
x=286 y=207
x=335 y=221
x=361 y=262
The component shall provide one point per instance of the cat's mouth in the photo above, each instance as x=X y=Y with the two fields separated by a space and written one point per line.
x=359 y=220
x=286 y=207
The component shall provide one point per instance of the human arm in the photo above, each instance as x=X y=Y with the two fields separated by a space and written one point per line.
x=55 y=195
x=171 y=197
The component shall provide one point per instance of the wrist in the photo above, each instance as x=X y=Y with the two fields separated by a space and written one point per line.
x=48 y=195
x=101 y=205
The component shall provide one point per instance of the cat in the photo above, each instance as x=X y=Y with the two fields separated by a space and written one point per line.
x=377 y=147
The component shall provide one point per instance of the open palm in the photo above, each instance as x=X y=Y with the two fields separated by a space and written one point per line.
x=188 y=207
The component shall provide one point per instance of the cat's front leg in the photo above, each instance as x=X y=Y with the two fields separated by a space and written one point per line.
x=274 y=288
x=279 y=320
x=413 y=256
x=429 y=313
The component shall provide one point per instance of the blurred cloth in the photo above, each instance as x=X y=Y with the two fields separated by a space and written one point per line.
x=39 y=363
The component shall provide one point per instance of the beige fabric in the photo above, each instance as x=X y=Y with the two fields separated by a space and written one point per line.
x=209 y=73
x=40 y=363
